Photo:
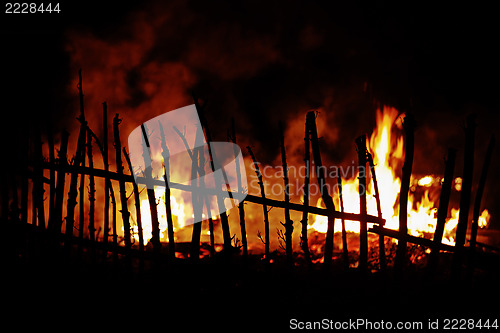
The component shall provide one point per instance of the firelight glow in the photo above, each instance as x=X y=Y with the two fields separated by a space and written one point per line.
x=388 y=151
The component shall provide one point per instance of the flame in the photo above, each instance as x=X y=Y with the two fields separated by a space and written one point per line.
x=425 y=181
x=484 y=219
x=387 y=147
x=178 y=217
x=388 y=155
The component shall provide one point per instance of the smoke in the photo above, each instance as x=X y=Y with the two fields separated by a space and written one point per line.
x=259 y=70
x=261 y=63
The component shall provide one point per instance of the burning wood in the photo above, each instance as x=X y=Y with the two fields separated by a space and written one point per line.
x=361 y=203
x=409 y=127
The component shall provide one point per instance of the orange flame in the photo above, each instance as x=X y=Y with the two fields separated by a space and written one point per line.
x=387 y=147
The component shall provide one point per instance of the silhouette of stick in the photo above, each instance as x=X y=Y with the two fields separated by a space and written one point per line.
x=38 y=191
x=465 y=195
x=479 y=192
x=363 y=235
x=148 y=175
x=166 y=164
x=327 y=199
x=107 y=182
x=442 y=212
x=477 y=202
x=77 y=161
x=307 y=161
x=197 y=155
x=381 y=242
x=401 y=252
x=264 y=204
x=123 y=194
x=81 y=195
x=59 y=196
x=91 y=226
x=137 y=202
x=241 y=205
x=345 y=250
x=214 y=164
x=52 y=172
x=288 y=221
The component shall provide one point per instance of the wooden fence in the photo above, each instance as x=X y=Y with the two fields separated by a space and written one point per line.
x=81 y=171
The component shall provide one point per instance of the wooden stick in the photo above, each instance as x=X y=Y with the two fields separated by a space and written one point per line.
x=24 y=180
x=197 y=155
x=38 y=191
x=52 y=176
x=103 y=148
x=401 y=252
x=92 y=191
x=410 y=238
x=241 y=205
x=148 y=175
x=137 y=202
x=81 y=195
x=345 y=250
x=196 y=199
x=81 y=191
x=123 y=194
x=214 y=164
x=477 y=206
x=72 y=194
x=442 y=212
x=264 y=204
x=250 y=198
x=307 y=161
x=107 y=181
x=288 y=221
x=55 y=219
x=320 y=175
x=363 y=236
x=381 y=242
x=168 y=208
x=479 y=193
x=113 y=224
x=465 y=196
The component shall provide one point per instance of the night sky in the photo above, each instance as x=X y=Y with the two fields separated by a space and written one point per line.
x=261 y=62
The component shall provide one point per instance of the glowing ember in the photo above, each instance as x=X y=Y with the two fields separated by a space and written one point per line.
x=425 y=181
x=387 y=148
x=484 y=219
x=178 y=216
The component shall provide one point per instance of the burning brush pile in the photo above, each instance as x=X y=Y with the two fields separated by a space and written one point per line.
x=369 y=213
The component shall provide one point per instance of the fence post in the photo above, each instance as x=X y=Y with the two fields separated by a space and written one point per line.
x=401 y=252
x=363 y=232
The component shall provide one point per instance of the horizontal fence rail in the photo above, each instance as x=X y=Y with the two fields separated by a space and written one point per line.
x=249 y=198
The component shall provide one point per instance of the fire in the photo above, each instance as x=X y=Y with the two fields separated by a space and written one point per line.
x=484 y=219
x=388 y=154
x=387 y=147
x=178 y=216
x=425 y=181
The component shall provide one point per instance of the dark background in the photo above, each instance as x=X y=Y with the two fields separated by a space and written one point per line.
x=438 y=61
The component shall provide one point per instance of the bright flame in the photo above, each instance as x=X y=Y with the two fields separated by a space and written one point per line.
x=425 y=181
x=484 y=219
x=387 y=148
x=388 y=154
x=178 y=217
